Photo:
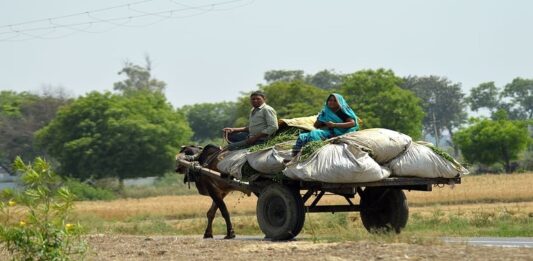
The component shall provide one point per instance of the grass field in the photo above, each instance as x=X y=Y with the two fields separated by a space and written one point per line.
x=484 y=205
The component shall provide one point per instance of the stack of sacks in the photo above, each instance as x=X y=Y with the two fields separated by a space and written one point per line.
x=337 y=163
x=352 y=158
x=364 y=156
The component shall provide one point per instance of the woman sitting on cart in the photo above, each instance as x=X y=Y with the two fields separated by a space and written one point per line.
x=336 y=118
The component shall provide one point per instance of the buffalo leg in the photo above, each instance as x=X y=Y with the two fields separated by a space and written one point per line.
x=219 y=201
x=210 y=217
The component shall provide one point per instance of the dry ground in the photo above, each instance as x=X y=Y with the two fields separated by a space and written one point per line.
x=192 y=248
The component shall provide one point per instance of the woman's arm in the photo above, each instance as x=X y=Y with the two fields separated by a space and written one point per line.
x=318 y=124
x=344 y=125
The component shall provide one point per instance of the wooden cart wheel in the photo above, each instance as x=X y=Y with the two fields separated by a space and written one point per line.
x=280 y=212
x=384 y=209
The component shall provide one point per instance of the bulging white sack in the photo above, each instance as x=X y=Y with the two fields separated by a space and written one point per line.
x=383 y=145
x=337 y=163
x=269 y=161
x=231 y=162
x=422 y=161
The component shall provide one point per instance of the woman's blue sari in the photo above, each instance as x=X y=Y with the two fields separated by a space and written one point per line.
x=328 y=115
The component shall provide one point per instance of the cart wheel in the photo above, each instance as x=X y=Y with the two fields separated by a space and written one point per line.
x=384 y=209
x=280 y=212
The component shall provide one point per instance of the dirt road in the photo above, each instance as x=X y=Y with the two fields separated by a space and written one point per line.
x=109 y=247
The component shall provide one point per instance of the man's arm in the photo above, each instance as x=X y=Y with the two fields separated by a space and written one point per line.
x=272 y=122
x=272 y=126
x=230 y=130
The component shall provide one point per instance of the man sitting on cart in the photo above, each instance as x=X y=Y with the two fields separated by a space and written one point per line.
x=336 y=118
x=262 y=124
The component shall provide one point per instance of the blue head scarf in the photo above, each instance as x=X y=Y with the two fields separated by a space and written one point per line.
x=328 y=115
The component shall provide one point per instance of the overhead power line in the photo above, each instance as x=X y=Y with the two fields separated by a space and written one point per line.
x=76 y=14
x=45 y=28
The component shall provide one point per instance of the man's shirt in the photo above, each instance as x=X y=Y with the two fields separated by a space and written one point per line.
x=263 y=120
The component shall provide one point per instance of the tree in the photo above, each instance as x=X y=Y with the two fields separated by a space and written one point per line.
x=516 y=98
x=289 y=99
x=491 y=141
x=325 y=79
x=443 y=103
x=485 y=95
x=273 y=76
x=21 y=115
x=520 y=93
x=376 y=97
x=208 y=119
x=11 y=102
x=109 y=135
x=139 y=79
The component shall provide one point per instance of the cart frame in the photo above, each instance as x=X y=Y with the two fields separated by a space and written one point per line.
x=282 y=204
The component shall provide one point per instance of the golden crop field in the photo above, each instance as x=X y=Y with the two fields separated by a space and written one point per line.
x=474 y=192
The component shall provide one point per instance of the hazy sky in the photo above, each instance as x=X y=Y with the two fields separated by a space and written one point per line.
x=208 y=55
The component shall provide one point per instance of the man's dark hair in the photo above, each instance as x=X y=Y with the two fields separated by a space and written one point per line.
x=258 y=93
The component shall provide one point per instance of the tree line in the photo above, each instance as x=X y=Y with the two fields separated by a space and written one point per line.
x=135 y=132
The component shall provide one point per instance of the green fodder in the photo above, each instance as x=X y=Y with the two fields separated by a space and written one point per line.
x=310 y=148
x=443 y=154
x=280 y=137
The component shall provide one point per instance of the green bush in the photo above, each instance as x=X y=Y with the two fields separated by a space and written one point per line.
x=35 y=221
x=84 y=191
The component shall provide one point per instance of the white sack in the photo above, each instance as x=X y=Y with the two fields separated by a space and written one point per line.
x=231 y=162
x=382 y=144
x=337 y=163
x=422 y=161
x=269 y=161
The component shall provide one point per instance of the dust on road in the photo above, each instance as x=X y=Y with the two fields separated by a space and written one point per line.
x=117 y=247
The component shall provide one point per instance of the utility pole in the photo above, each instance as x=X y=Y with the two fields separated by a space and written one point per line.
x=435 y=130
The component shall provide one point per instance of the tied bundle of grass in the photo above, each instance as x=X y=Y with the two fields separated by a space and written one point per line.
x=310 y=148
x=285 y=135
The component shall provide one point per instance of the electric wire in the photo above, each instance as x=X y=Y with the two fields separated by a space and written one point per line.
x=13 y=32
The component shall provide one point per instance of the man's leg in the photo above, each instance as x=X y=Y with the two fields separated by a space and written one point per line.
x=237 y=140
x=238 y=136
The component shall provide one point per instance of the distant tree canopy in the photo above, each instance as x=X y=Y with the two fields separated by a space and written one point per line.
x=325 y=79
x=520 y=95
x=21 y=115
x=443 y=103
x=485 y=95
x=376 y=97
x=208 y=119
x=516 y=98
x=273 y=76
x=491 y=141
x=139 y=79
x=289 y=99
x=109 y=135
x=11 y=102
